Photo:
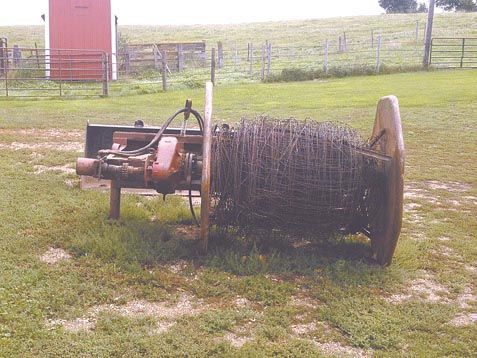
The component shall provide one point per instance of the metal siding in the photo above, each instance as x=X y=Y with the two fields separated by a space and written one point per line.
x=80 y=24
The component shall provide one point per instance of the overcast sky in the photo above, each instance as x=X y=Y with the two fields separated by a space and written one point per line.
x=26 y=12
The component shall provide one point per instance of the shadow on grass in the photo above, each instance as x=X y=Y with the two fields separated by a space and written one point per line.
x=133 y=241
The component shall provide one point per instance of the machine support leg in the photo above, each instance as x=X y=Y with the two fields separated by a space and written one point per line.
x=115 y=200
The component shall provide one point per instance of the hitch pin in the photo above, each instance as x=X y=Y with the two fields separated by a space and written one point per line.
x=188 y=107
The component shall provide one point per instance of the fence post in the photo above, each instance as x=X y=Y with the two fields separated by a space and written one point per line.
x=425 y=32
x=212 y=66
x=60 y=75
x=105 y=75
x=417 y=31
x=269 y=58
x=220 y=54
x=248 y=51
x=325 y=63
x=427 y=46
x=37 y=56
x=164 y=69
x=6 y=72
x=372 y=38
x=127 y=61
x=235 y=56
x=340 y=45
x=251 y=59
x=463 y=53
x=180 y=58
x=378 y=55
x=345 y=42
x=262 y=72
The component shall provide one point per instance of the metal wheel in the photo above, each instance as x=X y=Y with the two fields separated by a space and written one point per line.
x=385 y=231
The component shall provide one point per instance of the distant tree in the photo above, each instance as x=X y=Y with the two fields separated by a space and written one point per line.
x=457 y=5
x=402 y=6
x=422 y=7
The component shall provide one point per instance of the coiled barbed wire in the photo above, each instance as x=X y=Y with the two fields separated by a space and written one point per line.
x=292 y=176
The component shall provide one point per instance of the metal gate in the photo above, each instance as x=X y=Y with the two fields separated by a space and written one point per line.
x=454 y=52
x=33 y=72
x=3 y=49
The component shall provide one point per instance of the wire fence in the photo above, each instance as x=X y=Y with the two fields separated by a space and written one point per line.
x=158 y=67
x=266 y=62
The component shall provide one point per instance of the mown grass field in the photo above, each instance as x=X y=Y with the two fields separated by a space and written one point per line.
x=139 y=288
x=304 y=33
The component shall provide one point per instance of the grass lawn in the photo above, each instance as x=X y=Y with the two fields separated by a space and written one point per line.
x=74 y=284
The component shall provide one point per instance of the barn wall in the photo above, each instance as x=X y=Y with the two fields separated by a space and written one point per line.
x=81 y=25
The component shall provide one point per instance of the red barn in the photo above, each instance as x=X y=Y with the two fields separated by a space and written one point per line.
x=85 y=27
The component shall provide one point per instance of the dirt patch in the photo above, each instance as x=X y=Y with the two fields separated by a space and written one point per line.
x=425 y=289
x=165 y=312
x=337 y=349
x=59 y=146
x=178 y=267
x=303 y=329
x=63 y=169
x=466 y=298
x=162 y=327
x=471 y=268
x=411 y=193
x=463 y=320
x=190 y=232
x=236 y=340
x=447 y=253
x=44 y=133
x=54 y=256
x=451 y=186
x=303 y=301
x=412 y=206
x=241 y=334
x=241 y=302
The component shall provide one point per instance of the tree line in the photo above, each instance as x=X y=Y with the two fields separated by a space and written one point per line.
x=412 y=6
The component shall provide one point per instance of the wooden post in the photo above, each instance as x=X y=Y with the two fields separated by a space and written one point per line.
x=6 y=68
x=220 y=54
x=269 y=58
x=427 y=46
x=378 y=55
x=462 y=55
x=37 y=56
x=212 y=66
x=325 y=64
x=206 y=168
x=417 y=31
x=180 y=58
x=127 y=61
x=340 y=45
x=425 y=31
x=262 y=72
x=105 y=74
x=248 y=51
x=164 y=69
x=235 y=56
x=345 y=42
x=372 y=38
x=115 y=200
x=251 y=60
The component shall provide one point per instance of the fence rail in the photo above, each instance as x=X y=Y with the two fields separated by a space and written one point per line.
x=454 y=52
